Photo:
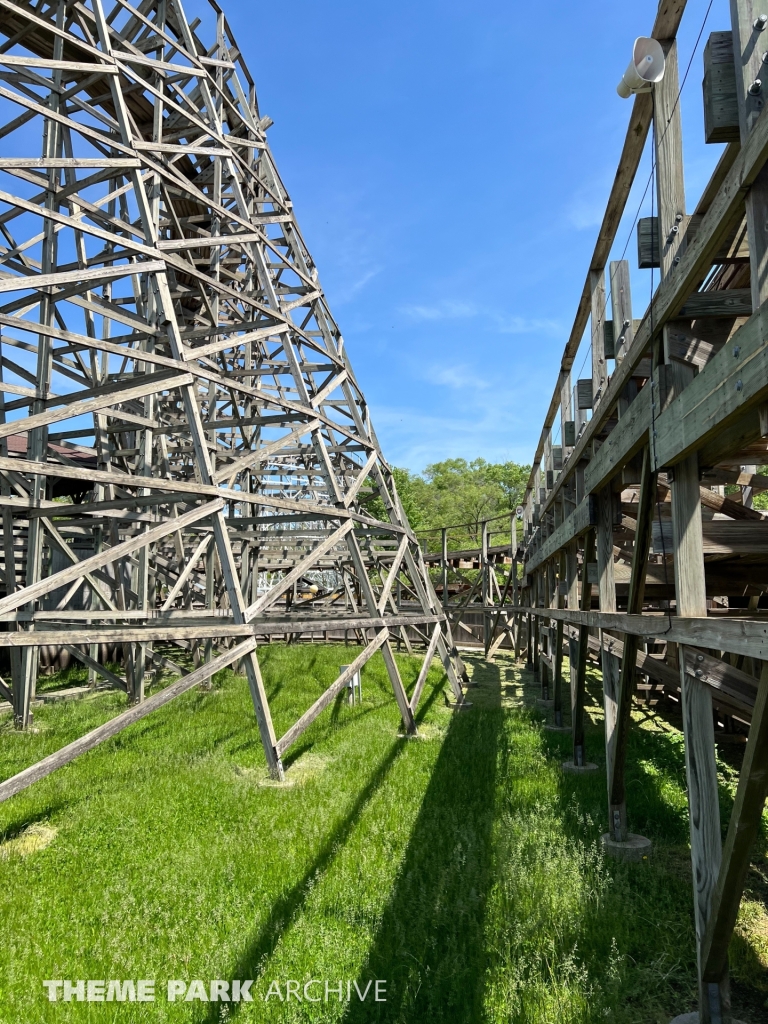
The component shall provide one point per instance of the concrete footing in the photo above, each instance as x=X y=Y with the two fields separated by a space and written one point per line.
x=542 y=703
x=635 y=848
x=693 y=1018
x=569 y=766
x=557 y=728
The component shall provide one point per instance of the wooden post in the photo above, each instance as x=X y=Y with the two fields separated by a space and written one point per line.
x=572 y=599
x=487 y=592
x=599 y=368
x=558 y=681
x=579 y=678
x=669 y=162
x=621 y=307
x=607 y=592
x=444 y=564
x=749 y=45
x=617 y=806
x=535 y=623
x=701 y=768
x=743 y=828
x=565 y=410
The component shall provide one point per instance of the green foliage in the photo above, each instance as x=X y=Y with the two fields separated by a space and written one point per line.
x=409 y=489
x=469 y=492
x=456 y=492
x=759 y=500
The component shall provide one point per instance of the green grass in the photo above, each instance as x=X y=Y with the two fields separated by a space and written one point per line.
x=463 y=868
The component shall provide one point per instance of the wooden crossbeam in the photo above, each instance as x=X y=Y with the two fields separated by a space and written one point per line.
x=49 y=764
x=743 y=828
x=335 y=688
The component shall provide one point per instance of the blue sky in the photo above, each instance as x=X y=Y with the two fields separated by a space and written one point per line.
x=449 y=164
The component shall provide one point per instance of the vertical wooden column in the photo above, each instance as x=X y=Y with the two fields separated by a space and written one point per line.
x=579 y=675
x=541 y=638
x=670 y=181
x=621 y=307
x=698 y=725
x=557 y=685
x=535 y=624
x=743 y=829
x=571 y=578
x=517 y=619
x=607 y=594
x=749 y=45
x=444 y=563
x=599 y=367
x=669 y=163
x=487 y=592
x=553 y=571
x=617 y=803
x=565 y=410
x=623 y=324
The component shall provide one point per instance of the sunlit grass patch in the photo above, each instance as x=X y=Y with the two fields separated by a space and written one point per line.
x=30 y=840
x=464 y=869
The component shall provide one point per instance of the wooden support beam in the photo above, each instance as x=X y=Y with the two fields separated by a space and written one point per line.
x=425 y=667
x=623 y=442
x=557 y=685
x=743 y=635
x=731 y=303
x=579 y=677
x=668 y=139
x=73 y=572
x=610 y=663
x=578 y=522
x=617 y=805
x=25 y=778
x=743 y=829
x=598 y=315
x=322 y=702
x=698 y=728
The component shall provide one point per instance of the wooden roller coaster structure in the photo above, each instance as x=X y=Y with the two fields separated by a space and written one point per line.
x=186 y=457
x=640 y=539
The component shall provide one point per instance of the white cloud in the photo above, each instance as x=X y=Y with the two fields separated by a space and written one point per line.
x=458 y=376
x=502 y=322
x=349 y=289
x=446 y=310
x=495 y=431
x=523 y=325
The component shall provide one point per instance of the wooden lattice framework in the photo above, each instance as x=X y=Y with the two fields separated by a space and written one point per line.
x=171 y=367
x=631 y=545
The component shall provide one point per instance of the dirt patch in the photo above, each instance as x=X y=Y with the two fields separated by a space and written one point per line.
x=306 y=767
x=33 y=839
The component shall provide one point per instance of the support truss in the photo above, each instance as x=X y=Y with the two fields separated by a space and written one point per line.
x=170 y=368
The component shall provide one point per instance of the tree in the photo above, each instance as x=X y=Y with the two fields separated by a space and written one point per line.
x=456 y=493
x=470 y=492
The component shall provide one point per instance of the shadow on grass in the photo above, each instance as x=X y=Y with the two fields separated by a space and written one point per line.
x=290 y=905
x=655 y=775
x=430 y=945
x=16 y=826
